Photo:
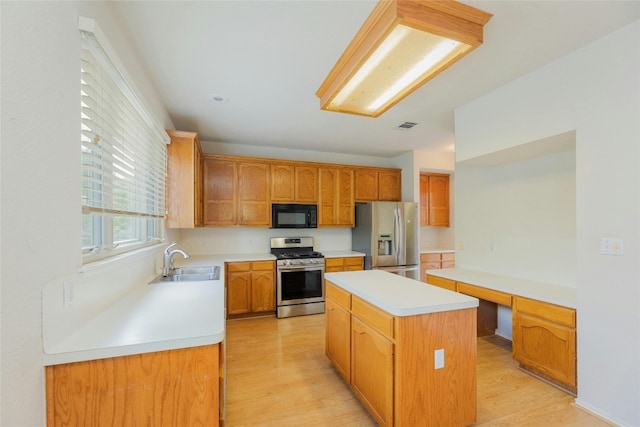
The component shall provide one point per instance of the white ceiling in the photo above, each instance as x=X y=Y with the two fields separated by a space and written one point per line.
x=269 y=58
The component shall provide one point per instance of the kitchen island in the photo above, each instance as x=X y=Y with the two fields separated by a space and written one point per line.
x=407 y=349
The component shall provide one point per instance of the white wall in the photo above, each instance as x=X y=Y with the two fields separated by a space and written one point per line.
x=40 y=167
x=595 y=91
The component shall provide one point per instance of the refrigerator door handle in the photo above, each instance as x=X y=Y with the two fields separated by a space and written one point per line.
x=396 y=234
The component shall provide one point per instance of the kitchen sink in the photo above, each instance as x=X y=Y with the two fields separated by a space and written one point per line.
x=190 y=274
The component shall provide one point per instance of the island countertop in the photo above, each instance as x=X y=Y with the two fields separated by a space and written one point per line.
x=399 y=295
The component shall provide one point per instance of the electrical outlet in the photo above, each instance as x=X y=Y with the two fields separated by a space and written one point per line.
x=611 y=246
x=439 y=359
x=461 y=245
x=67 y=292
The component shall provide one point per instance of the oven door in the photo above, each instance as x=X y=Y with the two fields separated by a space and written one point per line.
x=300 y=285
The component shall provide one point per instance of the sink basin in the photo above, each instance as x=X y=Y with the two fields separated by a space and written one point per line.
x=190 y=274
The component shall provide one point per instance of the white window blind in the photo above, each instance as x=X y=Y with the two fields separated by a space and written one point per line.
x=123 y=159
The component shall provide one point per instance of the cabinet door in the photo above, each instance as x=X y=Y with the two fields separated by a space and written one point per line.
x=424 y=200
x=253 y=196
x=184 y=181
x=282 y=183
x=390 y=186
x=220 y=192
x=306 y=184
x=263 y=291
x=338 y=338
x=366 y=185
x=238 y=292
x=345 y=212
x=439 y=200
x=547 y=347
x=354 y=263
x=372 y=371
x=328 y=197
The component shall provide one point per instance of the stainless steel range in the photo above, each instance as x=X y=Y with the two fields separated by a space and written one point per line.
x=300 y=276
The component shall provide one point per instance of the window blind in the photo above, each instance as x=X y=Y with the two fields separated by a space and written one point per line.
x=123 y=150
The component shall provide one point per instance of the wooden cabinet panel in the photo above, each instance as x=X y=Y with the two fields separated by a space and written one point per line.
x=441 y=282
x=434 y=200
x=253 y=194
x=282 y=183
x=390 y=186
x=184 y=180
x=336 y=200
x=263 y=291
x=339 y=296
x=380 y=320
x=220 y=192
x=333 y=265
x=306 y=190
x=435 y=261
x=238 y=293
x=543 y=345
x=250 y=288
x=372 y=371
x=366 y=185
x=166 y=388
x=485 y=294
x=375 y=184
x=338 y=337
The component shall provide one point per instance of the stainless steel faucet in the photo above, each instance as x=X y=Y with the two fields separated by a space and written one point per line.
x=167 y=264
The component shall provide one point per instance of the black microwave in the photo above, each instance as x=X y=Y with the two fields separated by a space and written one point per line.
x=294 y=216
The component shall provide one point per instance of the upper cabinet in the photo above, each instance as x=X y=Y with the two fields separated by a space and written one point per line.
x=184 y=180
x=378 y=184
x=336 y=202
x=292 y=183
x=236 y=192
x=434 y=200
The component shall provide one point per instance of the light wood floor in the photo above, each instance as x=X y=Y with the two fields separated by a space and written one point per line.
x=278 y=375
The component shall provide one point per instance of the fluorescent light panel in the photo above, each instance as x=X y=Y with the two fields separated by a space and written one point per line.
x=395 y=65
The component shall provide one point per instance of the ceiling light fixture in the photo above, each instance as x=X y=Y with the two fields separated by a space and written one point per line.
x=401 y=46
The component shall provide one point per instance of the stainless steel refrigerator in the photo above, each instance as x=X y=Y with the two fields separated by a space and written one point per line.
x=388 y=233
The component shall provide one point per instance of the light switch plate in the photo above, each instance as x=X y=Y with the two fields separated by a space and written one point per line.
x=611 y=246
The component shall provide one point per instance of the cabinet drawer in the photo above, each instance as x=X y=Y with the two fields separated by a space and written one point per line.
x=353 y=262
x=379 y=320
x=554 y=313
x=448 y=257
x=429 y=257
x=332 y=262
x=263 y=265
x=441 y=282
x=485 y=294
x=338 y=295
x=233 y=267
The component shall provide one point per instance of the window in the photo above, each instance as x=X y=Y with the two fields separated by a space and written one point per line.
x=123 y=157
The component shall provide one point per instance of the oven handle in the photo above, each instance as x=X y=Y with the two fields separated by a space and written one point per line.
x=284 y=269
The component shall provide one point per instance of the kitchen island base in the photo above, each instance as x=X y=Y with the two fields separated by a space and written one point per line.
x=407 y=370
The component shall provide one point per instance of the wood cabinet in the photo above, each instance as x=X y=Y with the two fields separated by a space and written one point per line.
x=434 y=200
x=373 y=184
x=436 y=261
x=338 y=330
x=544 y=340
x=184 y=180
x=236 y=193
x=254 y=207
x=291 y=183
x=332 y=265
x=166 y=388
x=336 y=197
x=391 y=361
x=250 y=288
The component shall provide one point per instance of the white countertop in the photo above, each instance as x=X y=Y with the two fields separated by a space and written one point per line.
x=437 y=251
x=546 y=292
x=399 y=295
x=162 y=316
x=342 y=254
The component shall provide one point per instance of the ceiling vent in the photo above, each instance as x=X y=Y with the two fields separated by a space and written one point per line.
x=405 y=126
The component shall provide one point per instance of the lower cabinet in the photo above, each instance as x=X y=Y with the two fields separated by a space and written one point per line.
x=389 y=361
x=544 y=340
x=250 y=288
x=436 y=261
x=333 y=265
x=167 y=388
